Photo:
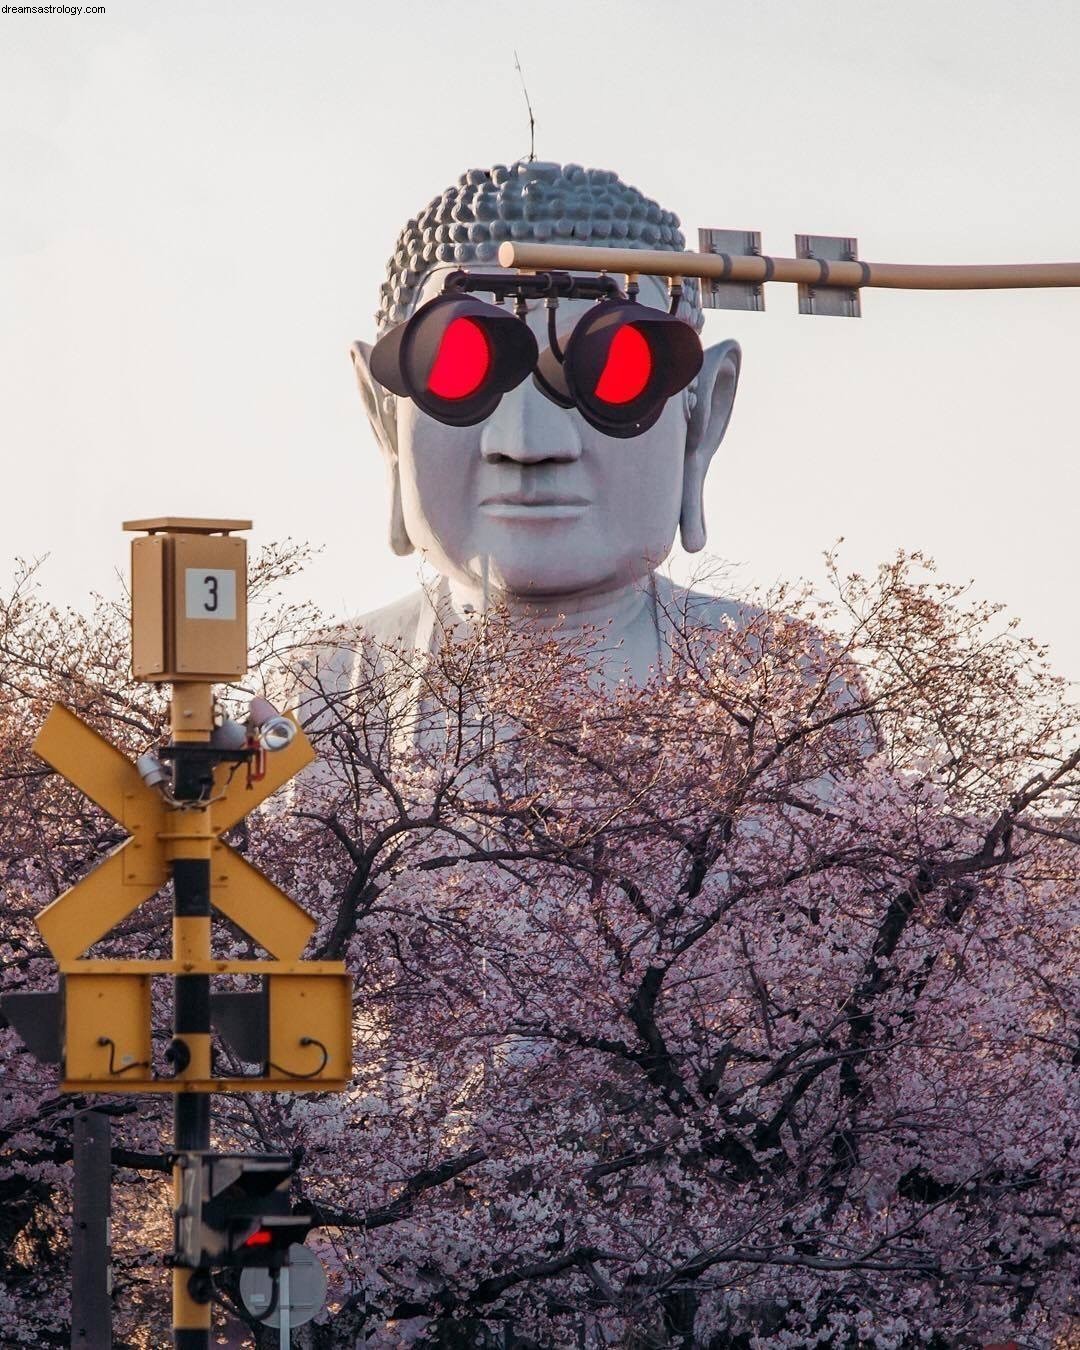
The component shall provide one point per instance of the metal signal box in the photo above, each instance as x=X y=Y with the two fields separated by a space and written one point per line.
x=188 y=600
x=234 y=1209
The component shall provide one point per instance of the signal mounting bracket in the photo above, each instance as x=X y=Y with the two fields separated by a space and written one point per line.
x=834 y=300
x=717 y=294
x=533 y=285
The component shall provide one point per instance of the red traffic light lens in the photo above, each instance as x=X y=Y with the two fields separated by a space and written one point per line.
x=627 y=368
x=622 y=363
x=262 y=1237
x=455 y=358
x=463 y=361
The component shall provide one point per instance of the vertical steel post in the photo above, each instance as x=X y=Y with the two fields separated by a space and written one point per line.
x=285 y=1330
x=91 y=1269
x=192 y=711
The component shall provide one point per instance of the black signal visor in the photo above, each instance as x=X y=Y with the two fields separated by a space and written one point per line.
x=622 y=363
x=455 y=358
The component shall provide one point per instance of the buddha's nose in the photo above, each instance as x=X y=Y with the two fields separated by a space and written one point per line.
x=528 y=428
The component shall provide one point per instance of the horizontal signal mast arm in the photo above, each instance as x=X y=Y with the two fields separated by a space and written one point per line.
x=805 y=271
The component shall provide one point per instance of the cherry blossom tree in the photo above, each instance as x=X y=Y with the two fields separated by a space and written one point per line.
x=738 y=1010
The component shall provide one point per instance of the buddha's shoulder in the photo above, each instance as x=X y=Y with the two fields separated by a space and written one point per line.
x=333 y=658
x=392 y=624
x=692 y=609
x=696 y=614
x=389 y=625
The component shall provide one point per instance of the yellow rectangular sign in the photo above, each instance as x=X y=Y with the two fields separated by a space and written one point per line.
x=107 y=1026
x=310 y=1028
x=106 y=1029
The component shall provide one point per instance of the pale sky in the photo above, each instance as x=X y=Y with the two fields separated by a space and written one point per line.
x=197 y=202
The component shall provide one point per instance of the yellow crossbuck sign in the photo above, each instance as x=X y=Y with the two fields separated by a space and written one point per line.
x=140 y=866
x=298 y=1027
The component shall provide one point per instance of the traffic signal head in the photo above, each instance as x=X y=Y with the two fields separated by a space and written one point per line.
x=622 y=362
x=455 y=358
x=235 y=1210
x=273 y=1237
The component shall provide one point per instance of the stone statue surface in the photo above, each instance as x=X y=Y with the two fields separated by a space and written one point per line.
x=533 y=509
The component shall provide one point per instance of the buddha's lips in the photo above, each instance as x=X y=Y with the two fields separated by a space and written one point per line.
x=533 y=499
x=535 y=506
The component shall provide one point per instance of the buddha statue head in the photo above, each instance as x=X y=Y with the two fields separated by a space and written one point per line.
x=534 y=504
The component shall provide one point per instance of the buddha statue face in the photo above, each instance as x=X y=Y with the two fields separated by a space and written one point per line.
x=534 y=503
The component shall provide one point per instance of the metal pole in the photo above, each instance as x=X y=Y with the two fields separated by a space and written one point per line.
x=285 y=1336
x=91 y=1269
x=804 y=271
x=192 y=722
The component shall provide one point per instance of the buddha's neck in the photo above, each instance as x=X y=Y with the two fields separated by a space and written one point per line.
x=618 y=607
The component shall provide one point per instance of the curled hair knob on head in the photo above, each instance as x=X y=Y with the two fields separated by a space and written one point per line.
x=532 y=200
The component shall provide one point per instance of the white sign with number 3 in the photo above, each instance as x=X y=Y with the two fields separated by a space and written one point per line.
x=209 y=593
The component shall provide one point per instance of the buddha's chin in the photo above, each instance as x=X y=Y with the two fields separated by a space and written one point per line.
x=530 y=563
x=529 y=573
x=519 y=582
x=546 y=575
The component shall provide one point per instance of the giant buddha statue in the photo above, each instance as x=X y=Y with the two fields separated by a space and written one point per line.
x=534 y=509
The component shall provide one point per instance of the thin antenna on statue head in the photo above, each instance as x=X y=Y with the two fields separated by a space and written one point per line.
x=532 y=120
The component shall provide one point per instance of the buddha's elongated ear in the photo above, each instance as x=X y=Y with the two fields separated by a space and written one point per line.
x=379 y=406
x=715 y=396
x=378 y=402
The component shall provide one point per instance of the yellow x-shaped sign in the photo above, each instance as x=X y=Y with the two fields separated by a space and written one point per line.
x=140 y=866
